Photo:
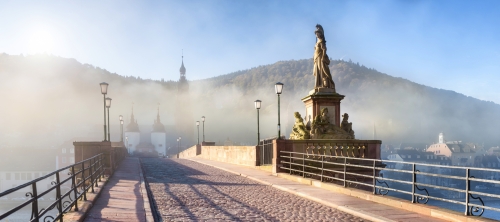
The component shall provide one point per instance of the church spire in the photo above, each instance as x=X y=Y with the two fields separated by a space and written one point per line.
x=132 y=126
x=158 y=126
x=182 y=70
x=158 y=115
x=132 y=119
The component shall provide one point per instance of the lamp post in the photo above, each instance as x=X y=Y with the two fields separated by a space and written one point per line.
x=198 y=126
x=121 y=128
x=126 y=145
x=203 y=120
x=178 y=147
x=257 y=106
x=108 y=105
x=279 y=88
x=104 y=91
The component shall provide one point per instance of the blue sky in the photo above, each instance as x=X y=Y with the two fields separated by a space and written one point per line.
x=444 y=44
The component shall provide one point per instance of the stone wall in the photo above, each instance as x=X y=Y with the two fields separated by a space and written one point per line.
x=242 y=155
x=114 y=153
x=367 y=149
x=190 y=152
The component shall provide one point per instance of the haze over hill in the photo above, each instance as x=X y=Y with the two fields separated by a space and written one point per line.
x=47 y=100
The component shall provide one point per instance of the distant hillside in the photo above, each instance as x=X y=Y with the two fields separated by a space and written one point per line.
x=398 y=109
x=51 y=99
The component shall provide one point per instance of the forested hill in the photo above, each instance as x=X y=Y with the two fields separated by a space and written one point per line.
x=61 y=97
x=398 y=109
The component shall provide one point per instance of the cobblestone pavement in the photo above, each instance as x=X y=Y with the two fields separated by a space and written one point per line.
x=190 y=191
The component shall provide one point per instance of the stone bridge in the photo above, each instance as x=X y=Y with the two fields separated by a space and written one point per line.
x=224 y=184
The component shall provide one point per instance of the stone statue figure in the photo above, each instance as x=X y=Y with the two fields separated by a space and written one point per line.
x=321 y=61
x=321 y=123
x=345 y=125
x=321 y=128
x=299 y=130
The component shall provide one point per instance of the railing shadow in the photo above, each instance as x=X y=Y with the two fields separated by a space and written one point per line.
x=182 y=185
x=125 y=171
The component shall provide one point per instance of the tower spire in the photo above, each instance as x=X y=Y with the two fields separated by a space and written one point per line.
x=158 y=115
x=132 y=116
x=182 y=69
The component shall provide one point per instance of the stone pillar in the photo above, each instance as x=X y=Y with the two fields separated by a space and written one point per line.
x=322 y=98
x=85 y=150
x=198 y=149
x=280 y=145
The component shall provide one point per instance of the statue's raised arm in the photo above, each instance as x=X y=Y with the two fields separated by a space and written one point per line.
x=321 y=71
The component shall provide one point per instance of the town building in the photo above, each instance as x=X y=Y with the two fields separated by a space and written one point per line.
x=460 y=154
x=21 y=165
x=132 y=134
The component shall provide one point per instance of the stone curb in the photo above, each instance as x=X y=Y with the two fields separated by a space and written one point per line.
x=145 y=198
x=348 y=209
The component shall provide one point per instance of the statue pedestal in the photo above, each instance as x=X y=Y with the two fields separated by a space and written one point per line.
x=323 y=98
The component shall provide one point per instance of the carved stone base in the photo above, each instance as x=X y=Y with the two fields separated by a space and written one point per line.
x=331 y=132
x=322 y=90
x=323 y=98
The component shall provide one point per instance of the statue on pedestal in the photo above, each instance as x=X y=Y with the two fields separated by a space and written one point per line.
x=322 y=128
x=299 y=130
x=345 y=125
x=321 y=61
x=322 y=97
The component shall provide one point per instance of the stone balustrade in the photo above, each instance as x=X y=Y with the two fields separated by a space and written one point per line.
x=242 y=155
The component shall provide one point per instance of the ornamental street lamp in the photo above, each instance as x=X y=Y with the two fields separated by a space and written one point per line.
x=198 y=126
x=108 y=105
x=203 y=120
x=257 y=106
x=104 y=91
x=178 y=146
x=126 y=145
x=178 y=139
x=279 y=88
x=121 y=128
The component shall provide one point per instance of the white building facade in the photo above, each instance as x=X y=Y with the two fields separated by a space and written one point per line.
x=132 y=135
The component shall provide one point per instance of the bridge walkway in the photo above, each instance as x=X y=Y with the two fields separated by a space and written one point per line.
x=123 y=197
x=191 y=190
x=361 y=208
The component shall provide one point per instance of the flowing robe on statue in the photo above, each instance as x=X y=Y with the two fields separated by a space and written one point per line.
x=321 y=70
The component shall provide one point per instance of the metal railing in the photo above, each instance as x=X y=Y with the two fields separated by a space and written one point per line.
x=68 y=185
x=266 y=150
x=412 y=179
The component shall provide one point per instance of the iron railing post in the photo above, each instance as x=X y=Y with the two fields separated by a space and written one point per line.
x=34 y=205
x=345 y=171
x=74 y=187
x=303 y=165
x=84 y=179
x=101 y=167
x=322 y=159
x=95 y=171
x=58 y=195
x=374 y=179
x=91 y=176
x=413 y=180
x=467 y=189
x=290 y=162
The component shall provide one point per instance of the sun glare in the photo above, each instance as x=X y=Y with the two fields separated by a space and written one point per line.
x=41 y=41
